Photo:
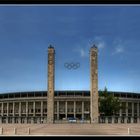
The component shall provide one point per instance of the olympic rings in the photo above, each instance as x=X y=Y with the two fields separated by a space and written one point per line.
x=72 y=65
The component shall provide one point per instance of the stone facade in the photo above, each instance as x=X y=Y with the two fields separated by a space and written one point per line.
x=31 y=107
x=94 y=85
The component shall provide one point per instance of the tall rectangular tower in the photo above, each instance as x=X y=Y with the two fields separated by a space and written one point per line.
x=50 y=93
x=94 y=110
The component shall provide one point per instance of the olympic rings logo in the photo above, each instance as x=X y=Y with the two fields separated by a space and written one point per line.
x=72 y=65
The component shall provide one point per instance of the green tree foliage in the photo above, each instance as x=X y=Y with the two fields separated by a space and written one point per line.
x=109 y=105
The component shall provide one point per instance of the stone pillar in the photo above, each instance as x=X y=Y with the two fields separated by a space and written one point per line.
x=113 y=119
x=57 y=110
x=19 y=109
x=25 y=120
x=7 y=109
x=132 y=119
x=32 y=120
x=82 y=109
x=138 y=109
x=2 y=109
x=126 y=109
x=138 y=112
x=13 y=120
x=34 y=108
x=0 y=120
x=132 y=109
x=106 y=119
x=119 y=119
x=50 y=93
x=66 y=109
x=7 y=120
x=74 y=109
x=13 y=109
x=120 y=113
x=125 y=119
x=27 y=109
x=94 y=110
x=41 y=108
x=38 y=120
x=138 y=119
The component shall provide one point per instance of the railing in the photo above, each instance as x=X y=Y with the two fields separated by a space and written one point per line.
x=119 y=119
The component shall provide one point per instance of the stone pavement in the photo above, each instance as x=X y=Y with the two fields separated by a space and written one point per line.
x=69 y=129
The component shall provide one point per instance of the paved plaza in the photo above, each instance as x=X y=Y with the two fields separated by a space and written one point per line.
x=69 y=129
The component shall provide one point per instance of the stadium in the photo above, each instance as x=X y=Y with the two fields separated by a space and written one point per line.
x=52 y=106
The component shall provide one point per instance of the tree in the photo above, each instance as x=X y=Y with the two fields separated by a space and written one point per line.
x=109 y=105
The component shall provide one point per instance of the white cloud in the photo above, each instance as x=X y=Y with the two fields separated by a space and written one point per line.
x=118 y=50
x=99 y=42
x=101 y=45
x=119 y=46
x=82 y=52
x=83 y=47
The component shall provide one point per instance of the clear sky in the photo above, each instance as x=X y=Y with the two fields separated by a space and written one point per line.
x=27 y=31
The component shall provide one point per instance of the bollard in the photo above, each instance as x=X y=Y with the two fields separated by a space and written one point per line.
x=1 y=131
x=28 y=131
x=15 y=131
x=129 y=131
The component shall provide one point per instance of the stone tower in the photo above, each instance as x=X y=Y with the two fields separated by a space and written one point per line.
x=94 y=113
x=50 y=93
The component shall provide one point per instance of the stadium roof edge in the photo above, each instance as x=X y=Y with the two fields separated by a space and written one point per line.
x=116 y=92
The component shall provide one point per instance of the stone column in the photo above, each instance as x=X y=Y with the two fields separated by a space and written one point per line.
x=94 y=109
x=27 y=109
x=138 y=109
x=19 y=109
x=66 y=109
x=82 y=109
x=138 y=112
x=74 y=109
x=106 y=119
x=132 y=119
x=138 y=119
x=7 y=120
x=1 y=116
x=25 y=120
x=19 y=119
x=38 y=120
x=0 y=120
x=120 y=113
x=13 y=118
x=13 y=109
x=34 y=108
x=113 y=119
x=119 y=119
x=50 y=93
x=57 y=110
x=126 y=109
x=125 y=119
x=132 y=109
x=2 y=109
x=7 y=109
x=41 y=108
x=32 y=120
